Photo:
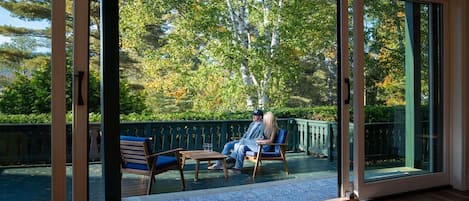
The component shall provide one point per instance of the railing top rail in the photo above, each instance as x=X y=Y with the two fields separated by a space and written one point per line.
x=185 y=121
x=146 y=122
x=198 y=121
x=25 y=124
x=312 y=121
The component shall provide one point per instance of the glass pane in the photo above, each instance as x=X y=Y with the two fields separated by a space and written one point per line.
x=402 y=86
x=25 y=104
x=218 y=58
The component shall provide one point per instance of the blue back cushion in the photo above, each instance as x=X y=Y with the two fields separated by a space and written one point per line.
x=281 y=138
x=133 y=138
x=272 y=150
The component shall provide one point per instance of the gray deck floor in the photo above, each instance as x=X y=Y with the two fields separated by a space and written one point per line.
x=310 y=178
x=299 y=189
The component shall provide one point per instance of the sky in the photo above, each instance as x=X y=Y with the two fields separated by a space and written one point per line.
x=6 y=19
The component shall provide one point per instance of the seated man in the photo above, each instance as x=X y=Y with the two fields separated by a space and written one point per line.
x=255 y=131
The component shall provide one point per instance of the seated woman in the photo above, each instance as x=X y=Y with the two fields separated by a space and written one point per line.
x=244 y=145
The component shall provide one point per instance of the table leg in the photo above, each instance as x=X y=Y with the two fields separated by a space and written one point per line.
x=223 y=161
x=183 y=161
x=196 y=176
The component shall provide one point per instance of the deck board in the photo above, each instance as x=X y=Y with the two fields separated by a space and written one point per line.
x=300 y=166
x=14 y=180
x=37 y=179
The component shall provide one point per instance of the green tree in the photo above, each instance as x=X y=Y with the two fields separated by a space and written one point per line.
x=385 y=56
x=31 y=94
x=238 y=54
x=16 y=53
x=384 y=36
x=19 y=61
x=17 y=98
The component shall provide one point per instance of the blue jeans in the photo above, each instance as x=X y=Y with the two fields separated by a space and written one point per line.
x=227 y=149
x=240 y=150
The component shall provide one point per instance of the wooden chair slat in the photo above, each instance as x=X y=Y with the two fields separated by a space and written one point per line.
x=134 y=143
x=134 y=152
x=138 y=152
x=132 y=156
x=132 y=147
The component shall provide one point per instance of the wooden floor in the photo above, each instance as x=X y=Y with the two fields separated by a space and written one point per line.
x=434 y=194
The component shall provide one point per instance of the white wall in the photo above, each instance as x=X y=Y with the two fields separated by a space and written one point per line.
x=457 y=53
x=466 y=66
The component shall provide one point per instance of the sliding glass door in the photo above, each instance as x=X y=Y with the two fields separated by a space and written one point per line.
x=398 y=116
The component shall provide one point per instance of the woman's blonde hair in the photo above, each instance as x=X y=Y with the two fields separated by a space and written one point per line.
x=270 y=124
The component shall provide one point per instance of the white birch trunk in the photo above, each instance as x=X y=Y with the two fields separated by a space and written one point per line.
x=274 y=40
x=239 y=22
x=239 y=17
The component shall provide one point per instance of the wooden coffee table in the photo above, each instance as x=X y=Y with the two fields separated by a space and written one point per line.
x=201 y=155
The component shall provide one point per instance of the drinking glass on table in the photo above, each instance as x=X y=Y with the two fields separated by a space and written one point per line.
x=208 y=147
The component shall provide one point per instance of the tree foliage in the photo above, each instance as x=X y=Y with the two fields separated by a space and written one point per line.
x=385 y=57
x=215 y=56
x=32 y=94
x=231 y=55
x=385 y=52
x=22 y=67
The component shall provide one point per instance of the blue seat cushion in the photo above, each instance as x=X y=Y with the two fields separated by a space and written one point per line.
x=264 y=154
x=162 y=162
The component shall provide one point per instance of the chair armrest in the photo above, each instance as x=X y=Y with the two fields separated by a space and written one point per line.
x=270 y=143
x=177 y=150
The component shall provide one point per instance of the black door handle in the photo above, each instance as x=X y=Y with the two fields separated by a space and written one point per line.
x=347 y=82
x=81 y=75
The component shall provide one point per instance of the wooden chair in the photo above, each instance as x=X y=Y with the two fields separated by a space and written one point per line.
x=275 y=151
x=137 y=158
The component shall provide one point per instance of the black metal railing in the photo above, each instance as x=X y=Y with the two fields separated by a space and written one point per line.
x=31 y=143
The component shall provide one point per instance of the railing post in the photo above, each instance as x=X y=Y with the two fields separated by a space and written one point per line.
x=331 y=141
x=182 y=137
x=190 y=138
x=93 y=139
x=293 y=127
x=309 y=137
x=198 y=138
x=223 y=135
x=160 y=134
x=147 y=131
x=174 y=132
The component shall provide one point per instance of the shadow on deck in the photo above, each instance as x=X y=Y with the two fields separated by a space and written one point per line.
x=14 y=181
